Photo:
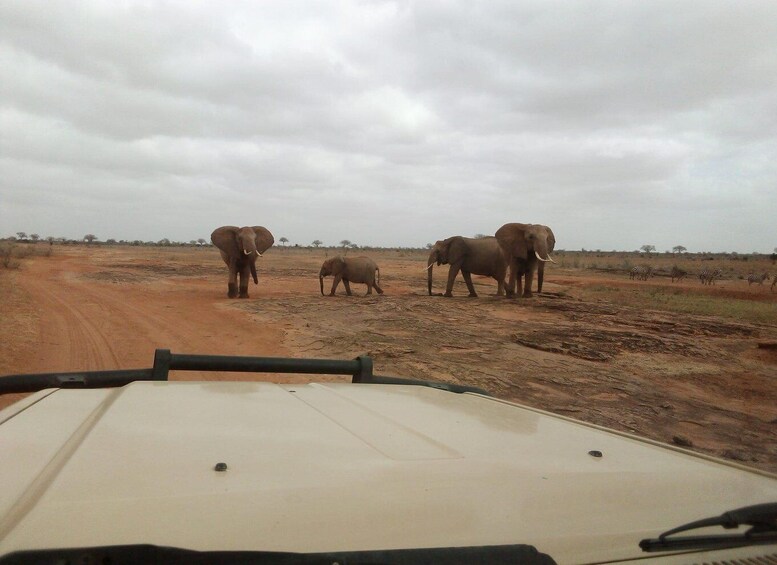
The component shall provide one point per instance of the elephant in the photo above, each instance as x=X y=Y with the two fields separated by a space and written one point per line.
x=239 y=247
x=481 y=256
x=523 y=247
x=350 y=269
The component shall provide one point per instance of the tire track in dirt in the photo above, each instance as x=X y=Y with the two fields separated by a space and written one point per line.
x=91 y=324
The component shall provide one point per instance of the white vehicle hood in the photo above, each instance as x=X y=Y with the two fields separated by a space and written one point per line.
x=335 y=467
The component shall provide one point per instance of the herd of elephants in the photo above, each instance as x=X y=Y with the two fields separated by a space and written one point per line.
x=523 y=249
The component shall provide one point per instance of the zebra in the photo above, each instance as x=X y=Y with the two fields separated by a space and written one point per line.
x=753 y=278
x=708 y=276
x=678 y=273
x=641 y=272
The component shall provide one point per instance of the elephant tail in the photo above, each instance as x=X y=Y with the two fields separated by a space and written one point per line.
x=377 y=270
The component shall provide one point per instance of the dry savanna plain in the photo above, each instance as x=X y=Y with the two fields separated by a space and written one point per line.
x=691 y=365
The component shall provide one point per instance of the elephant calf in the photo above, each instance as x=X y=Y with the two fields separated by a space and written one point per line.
x=350 y=269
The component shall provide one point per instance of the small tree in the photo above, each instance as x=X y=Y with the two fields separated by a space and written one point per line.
x=678 y=249
x=345 y=244
x=284 y=241
x=648 y=249
x=317 y=243
x=429 y=245
x=201 y=241
x=480 y=235
x=21 y=235
x=89 y=238
x=34 y=236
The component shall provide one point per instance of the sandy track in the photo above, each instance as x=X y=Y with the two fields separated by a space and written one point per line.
x=83 y=323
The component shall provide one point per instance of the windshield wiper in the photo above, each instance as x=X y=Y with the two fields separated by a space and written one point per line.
x=143 y=554
x=761 y=517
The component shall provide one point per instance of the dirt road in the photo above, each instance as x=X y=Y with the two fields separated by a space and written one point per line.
x=696 y=381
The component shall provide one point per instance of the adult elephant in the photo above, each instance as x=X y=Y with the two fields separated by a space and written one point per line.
x=526 y=248
x=239 y=247
x=479 y=256
x=348 y=270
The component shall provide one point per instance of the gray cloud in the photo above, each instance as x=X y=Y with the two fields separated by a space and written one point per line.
x=392 y=123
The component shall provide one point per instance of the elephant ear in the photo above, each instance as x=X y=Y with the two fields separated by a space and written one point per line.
x=551 y=240
x=338 y=264
x=512 y=240
x=264 y=239
x=457 y=249
x=225 y=238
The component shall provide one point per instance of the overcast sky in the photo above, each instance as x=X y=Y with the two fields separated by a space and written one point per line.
x=618 y=124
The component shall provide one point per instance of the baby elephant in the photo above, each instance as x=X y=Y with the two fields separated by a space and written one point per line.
x=350 y=269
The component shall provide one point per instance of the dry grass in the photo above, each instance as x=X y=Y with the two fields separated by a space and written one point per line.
x=683 y=301
x=734 y=267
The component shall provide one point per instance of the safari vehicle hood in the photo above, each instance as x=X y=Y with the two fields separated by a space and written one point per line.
x=309 y=468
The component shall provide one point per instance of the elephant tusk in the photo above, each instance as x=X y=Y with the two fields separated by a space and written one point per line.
x=429 y=267
x=246 y=252
x=260 y=255
x=544 y=260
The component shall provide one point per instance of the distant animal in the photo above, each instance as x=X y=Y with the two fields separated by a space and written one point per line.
x=348 y=270
x=677 y=273
x=708 y=276
x=758 y=279
x=641 y=272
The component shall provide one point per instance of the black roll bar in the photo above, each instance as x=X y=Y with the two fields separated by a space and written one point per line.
x=360 y=370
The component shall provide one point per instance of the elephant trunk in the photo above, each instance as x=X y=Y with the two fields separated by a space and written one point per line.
x=253 y=272
x=541 y=251
x=321 y=280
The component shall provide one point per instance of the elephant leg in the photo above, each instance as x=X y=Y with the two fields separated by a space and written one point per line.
x=468 y=279
x=244 y=277
x=452 y=272
x=510 y=289
x=369 y=287
x=232 y=284
x=529 y=279
x=335 y=283
x=500 y=286
x=347 y=284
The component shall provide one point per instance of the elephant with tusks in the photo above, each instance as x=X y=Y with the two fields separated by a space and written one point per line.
x=526 y=248
x=239 y=248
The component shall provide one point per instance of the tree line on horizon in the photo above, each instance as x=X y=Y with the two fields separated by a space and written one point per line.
x=345 y=244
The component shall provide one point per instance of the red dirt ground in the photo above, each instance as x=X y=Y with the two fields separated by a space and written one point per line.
x=695 y=381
